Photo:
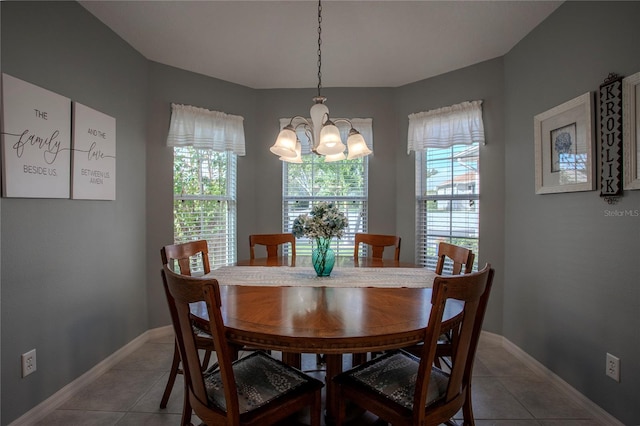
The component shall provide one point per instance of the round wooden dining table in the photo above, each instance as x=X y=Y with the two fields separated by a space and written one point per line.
x=326 y=320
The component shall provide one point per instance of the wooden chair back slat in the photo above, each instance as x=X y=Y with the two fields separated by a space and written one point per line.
x=272 y=243
x=459 y=256
x=182 y=253
x=377 y=242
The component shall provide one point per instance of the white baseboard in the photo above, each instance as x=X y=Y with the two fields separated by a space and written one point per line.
x=47 y=406
x=599 y=415
x=43 y=409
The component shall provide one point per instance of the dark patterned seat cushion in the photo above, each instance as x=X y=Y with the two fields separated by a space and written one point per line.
x=259 y=379
x=200 y=332
x=394 y=376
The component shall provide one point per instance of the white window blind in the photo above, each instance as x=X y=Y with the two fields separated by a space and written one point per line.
x=447 y=187
x=204 y=180
x=342 y=182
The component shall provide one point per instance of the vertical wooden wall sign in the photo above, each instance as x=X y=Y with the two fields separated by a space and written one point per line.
x=94 y=155
x=36 y=141
x=611 y=138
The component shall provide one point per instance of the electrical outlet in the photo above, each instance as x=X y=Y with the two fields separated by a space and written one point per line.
x=613 y=367
x=28 y=362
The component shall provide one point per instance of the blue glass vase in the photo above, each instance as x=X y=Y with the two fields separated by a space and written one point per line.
x=323 y=257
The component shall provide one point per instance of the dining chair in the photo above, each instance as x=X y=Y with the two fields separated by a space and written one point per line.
x=184 y=255
x=272 y=243
x=451 y=258
x=254 y=390
x=454 y=257
x=404 y=389
x=377 y=244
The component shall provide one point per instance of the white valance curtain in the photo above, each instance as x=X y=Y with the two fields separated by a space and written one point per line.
x=201 y=128
x=362 y=125
x=444 y=127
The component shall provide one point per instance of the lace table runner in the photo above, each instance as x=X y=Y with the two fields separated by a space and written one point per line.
x=300 y=276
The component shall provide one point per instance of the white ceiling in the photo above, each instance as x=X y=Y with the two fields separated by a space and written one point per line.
x=273 y=44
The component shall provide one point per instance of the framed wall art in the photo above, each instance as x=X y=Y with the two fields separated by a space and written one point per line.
x=631 y=130
x=94 y=155
x=36 y=141
x=564 y=146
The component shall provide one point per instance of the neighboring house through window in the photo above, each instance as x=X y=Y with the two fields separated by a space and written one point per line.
x=205 y=146
x=447 y=143
x=343 y=182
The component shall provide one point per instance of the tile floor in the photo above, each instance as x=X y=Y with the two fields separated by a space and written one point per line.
x=505 y=393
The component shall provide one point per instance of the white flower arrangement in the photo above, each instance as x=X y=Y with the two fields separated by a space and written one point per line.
x=324 y=221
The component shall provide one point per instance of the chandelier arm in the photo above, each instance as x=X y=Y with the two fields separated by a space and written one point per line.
x=308 y=130
x=342 y=120
x=303 y=119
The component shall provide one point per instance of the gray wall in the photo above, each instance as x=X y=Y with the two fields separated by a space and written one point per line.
x=73 y=281
x=572 y=291
x=71 y=270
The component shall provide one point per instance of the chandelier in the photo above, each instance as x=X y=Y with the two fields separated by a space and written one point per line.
x=322 y=132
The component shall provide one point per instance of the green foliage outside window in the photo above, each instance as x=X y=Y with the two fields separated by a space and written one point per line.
x=204 y=200
x=315 y=178
x=343 y=183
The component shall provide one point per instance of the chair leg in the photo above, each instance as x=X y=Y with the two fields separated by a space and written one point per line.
x=173 y=373
x=359 y=358
x=467 y=408
x=340 y=409
x=315 y=413
x=186 y=406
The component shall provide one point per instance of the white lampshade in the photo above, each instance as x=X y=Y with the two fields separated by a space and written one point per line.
x=357 y=146
x=298 y=157
x=334 y=157
x=285 y=145
x=330 y=142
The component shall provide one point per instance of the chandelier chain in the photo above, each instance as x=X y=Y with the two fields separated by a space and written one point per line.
x=319 y=46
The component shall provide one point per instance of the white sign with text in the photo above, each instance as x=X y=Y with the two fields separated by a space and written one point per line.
x=94 y=154
x=36 y=141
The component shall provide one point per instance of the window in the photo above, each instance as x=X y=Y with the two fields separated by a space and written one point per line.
x=204 y=201
x=205 y=148
x=343 y=182
x=448 y=188
x=447 y=143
